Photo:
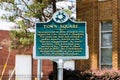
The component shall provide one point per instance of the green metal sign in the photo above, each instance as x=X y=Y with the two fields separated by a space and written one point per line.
x=61 y=38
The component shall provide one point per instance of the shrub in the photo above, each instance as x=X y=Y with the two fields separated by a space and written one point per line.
x=106 y=75
x=89 y=75
x=72 y=75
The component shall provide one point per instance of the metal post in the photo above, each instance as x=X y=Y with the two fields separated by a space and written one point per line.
x=39 y=69
x=60 y=69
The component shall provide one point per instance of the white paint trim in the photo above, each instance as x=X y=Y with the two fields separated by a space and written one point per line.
x=106 y=47
x=109 y=31
x=99 y=45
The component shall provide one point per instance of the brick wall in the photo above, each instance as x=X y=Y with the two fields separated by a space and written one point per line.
x=4 y=37
x=115 y=34
x=119 y=34
x=94 y=12
x=86 y=11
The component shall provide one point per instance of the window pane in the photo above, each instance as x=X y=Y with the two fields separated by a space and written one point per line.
x=106 y=66
x=106 y=55
x=106 y=39
x=105 y=26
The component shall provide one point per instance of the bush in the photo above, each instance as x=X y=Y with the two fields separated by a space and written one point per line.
x=72 y=75
x=88 y=75
x=106 y=75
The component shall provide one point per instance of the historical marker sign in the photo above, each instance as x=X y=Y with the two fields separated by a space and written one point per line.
x=61 y=38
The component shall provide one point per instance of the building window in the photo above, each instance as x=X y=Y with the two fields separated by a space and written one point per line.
x=106 y=45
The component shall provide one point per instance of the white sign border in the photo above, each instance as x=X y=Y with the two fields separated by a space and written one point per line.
x=62 y=57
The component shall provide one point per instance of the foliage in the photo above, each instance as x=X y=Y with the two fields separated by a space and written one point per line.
x=72 y=75
x=89 y=75
x=36 y=10
x=21 y=37
x=106 y=75
x=68 y=11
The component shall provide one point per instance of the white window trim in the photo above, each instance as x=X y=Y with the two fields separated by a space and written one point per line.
x=107 y=47
x=106 y=63
x=109 y=31
x=100 y=45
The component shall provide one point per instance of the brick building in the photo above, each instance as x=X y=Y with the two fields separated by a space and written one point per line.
x=26 y=62
x=103 y=28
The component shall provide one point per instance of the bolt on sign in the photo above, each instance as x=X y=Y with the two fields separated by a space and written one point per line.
x=61 y=38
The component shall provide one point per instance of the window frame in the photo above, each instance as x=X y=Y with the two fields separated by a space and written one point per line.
x=101 y=47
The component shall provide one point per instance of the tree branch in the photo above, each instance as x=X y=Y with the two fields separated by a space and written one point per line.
x=28 y=7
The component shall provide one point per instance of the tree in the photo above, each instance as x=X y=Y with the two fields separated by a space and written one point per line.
x=22 y=38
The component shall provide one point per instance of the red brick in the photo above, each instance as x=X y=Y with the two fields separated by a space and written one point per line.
x=47 y=64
